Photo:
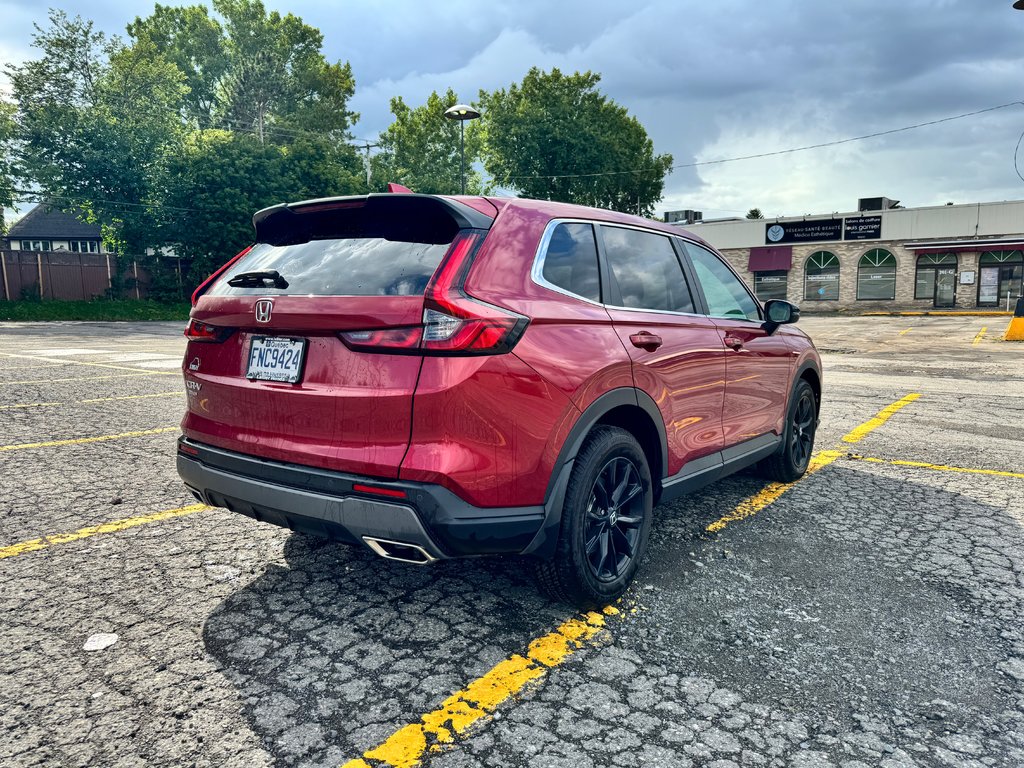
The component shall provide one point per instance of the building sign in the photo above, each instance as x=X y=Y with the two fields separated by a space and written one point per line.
x=803 y=231
x=863 y=228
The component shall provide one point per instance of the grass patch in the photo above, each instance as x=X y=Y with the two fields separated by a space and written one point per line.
x=100 y=309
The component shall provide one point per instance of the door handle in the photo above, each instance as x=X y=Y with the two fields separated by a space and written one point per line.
x=734 y=342
x=646 y=340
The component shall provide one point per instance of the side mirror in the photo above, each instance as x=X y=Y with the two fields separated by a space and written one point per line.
x=779 y=312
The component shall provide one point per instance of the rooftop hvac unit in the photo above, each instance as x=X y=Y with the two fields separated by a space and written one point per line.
x=876 y=204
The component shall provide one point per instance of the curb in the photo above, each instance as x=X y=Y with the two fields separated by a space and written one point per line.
x=925 y=313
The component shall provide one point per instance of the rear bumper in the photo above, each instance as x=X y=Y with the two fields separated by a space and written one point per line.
x=328 y=503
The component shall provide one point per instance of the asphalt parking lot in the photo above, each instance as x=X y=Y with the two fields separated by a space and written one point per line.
x=870 y=614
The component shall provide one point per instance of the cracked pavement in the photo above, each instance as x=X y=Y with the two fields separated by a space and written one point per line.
x=869 y=616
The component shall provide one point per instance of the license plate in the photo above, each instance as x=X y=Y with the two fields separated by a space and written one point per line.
x=273 y=358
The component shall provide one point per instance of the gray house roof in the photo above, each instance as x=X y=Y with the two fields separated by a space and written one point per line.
x=46 y=223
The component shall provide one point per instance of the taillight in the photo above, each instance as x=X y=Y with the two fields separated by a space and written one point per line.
x=390 y=339
x=209 y=281
x=454 y=323
x=197 y=330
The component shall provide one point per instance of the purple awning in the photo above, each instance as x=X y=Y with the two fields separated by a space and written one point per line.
x=766 y=258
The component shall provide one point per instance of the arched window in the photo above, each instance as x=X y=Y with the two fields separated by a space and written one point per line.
x=876 y=275
x=821 y=277
x=924 y=285
x=1000 y=279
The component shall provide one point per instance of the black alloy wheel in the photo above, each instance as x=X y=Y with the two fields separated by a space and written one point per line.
x=801 y=431
x=794 y=454
x=605 y=522
x=613 y=519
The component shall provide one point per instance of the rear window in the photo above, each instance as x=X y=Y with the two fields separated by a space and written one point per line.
x=339 y=267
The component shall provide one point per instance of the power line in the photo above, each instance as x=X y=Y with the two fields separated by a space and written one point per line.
x=26 y=195
x=778 y=151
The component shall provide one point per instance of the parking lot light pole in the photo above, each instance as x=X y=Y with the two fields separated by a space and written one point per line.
x=462 y=113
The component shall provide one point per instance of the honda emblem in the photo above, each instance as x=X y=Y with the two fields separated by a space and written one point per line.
x=263 y=309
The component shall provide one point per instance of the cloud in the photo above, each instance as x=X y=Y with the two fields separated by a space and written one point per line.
x=710 y=81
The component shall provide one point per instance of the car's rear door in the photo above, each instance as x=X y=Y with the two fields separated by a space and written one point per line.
x=677 y=354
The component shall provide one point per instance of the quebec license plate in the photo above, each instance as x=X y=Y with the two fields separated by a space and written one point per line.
x=274 y=358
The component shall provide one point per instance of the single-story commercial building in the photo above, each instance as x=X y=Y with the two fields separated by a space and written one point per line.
x=881 y=256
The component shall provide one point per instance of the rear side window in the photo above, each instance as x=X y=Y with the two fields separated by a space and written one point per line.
x=339 y=267
x=725 y=294
x=570 y=261
x=646 y=270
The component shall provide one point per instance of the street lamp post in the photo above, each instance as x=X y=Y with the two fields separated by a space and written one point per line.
x=462 y=113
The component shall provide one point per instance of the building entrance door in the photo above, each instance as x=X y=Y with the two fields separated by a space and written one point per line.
x=945 y=286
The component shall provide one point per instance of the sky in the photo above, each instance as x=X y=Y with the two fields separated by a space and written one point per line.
x=708 y=81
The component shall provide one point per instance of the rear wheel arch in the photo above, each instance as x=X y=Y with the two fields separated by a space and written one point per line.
x=810 y=374
x=628 y=408
x=638 y=423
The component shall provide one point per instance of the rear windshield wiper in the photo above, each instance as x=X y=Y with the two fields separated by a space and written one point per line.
x=258 y=280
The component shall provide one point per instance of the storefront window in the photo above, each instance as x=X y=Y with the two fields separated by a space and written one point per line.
x=876 y=275
x=1000 y=277
x=770 y=285
x=924 y=285
x=821 y=277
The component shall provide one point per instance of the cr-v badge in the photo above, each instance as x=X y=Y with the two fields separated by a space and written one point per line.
x=263 y=309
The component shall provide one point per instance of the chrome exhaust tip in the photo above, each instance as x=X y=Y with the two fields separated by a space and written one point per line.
x=401 y=551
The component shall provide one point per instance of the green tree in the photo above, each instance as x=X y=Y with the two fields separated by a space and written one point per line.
x=556 y=136
x=755 y=213
x=96 y=121
x=194 y=42
x=251 y=70
x=8 y=139
x=421 y=149
x=121 y=131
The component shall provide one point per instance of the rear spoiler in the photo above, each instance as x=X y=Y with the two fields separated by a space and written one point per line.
x=402 y=217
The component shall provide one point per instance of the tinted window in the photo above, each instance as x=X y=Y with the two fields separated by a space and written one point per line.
x=348 y=267
x=821 y=277
x=770 y=285
x=646 y=270
x=876 y=275
x=724 y=292
x=570 y=261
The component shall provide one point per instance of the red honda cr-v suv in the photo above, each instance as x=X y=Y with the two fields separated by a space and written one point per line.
x=436 y=377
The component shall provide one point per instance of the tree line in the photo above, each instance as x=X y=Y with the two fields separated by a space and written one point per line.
x=171 y=137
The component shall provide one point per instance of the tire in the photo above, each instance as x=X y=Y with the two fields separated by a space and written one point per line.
x=794 y=455
x=599 y=547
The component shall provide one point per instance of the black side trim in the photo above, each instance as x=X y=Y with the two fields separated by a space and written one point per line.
x=543 y=545
x=707 y=469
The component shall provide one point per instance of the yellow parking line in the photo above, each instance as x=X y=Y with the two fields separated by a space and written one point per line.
x=859 y=433
x=980 y=336
x=83 y=440
x=72 y=362
x=905 y=331
x=92 y=378
x=936 y=467
x=754 y=504
x=34 y=545
x=93 y=400
x=407 y=747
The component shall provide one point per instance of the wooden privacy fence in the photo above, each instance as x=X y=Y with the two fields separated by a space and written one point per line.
x=67 y=275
